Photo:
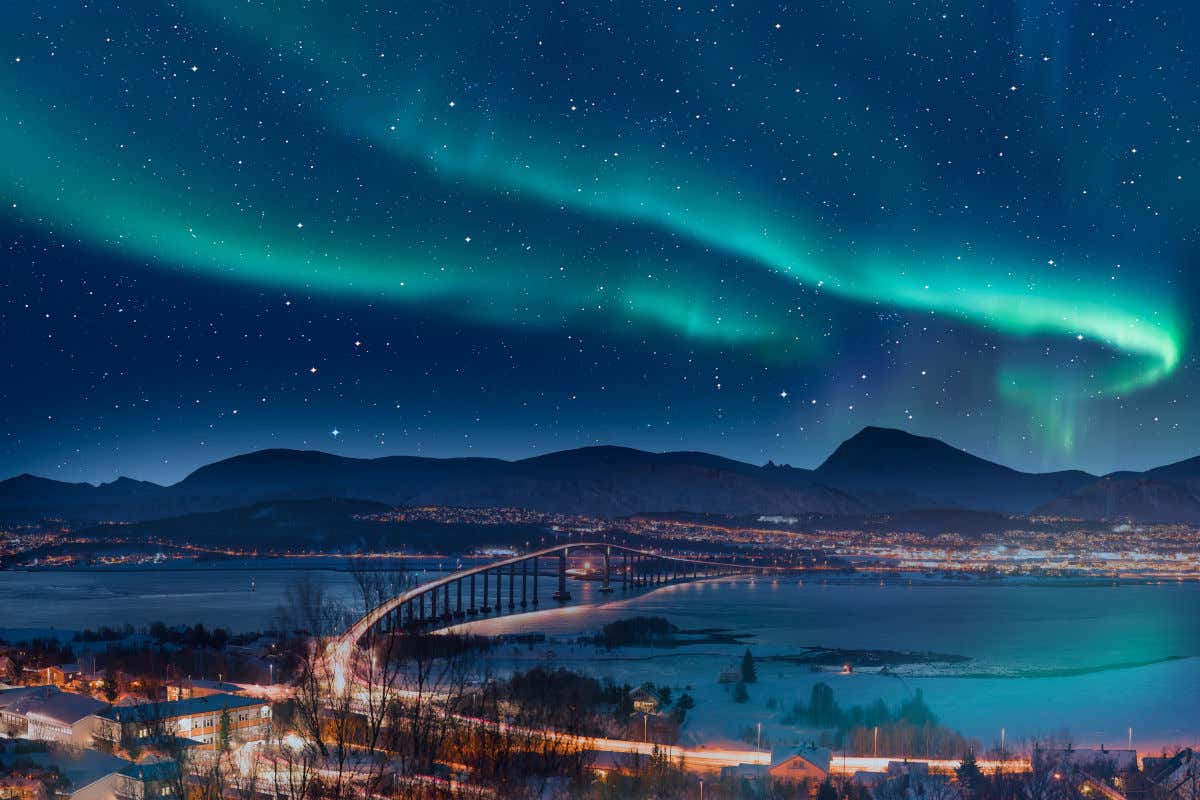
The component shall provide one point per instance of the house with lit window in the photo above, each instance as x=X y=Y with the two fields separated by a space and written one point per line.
x=799 y=764
x=791 y=765
x=646 y=700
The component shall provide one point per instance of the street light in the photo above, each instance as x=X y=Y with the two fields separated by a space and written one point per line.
x=702 y=789
x=758 y=747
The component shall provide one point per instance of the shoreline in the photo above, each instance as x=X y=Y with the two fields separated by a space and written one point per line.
x=864 y=576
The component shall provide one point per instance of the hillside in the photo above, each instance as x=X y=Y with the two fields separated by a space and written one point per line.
x=878 y=470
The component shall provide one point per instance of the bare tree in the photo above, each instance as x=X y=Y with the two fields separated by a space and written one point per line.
x=435 y=675
x=327 y=701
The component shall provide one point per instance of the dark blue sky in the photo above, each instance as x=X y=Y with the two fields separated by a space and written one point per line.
x=749 y=230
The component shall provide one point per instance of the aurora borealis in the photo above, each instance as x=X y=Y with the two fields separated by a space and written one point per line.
x=503 y=230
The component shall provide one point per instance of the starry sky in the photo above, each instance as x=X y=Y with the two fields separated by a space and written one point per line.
x=744 y=228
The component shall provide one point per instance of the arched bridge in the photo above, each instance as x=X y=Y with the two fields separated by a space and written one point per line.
x=511 y=586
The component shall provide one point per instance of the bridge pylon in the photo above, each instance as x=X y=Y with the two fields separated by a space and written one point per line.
x=562 y=595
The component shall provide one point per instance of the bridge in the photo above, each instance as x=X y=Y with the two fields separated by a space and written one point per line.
x=511 y=586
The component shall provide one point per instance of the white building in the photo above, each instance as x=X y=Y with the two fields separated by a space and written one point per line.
x=49 y=714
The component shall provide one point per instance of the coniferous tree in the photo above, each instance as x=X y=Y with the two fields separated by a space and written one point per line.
x=224 y=731
x=749 y=674
x=969 y=774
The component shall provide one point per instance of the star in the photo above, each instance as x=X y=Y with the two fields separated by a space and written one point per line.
x=653 y=228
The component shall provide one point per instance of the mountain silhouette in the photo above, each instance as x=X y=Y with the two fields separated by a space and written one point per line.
x=885 y=459
x=876 y=470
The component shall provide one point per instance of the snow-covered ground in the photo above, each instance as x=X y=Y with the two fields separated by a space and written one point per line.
x=1045 y=657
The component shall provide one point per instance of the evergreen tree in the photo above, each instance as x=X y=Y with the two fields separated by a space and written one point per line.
x=969 y=774
x=224 y=731
x=826 y=792
x=749 y=675
x=740 y=695
x=823 y=710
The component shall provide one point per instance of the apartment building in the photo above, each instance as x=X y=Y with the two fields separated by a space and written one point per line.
x=195 y=718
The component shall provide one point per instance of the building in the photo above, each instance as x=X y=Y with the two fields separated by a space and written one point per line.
x=188 y=688
x=647 y=700
x=1098 y=761
x=868 y=779
x=8 y=669
x=799 y=764
x=910 y=769
x=74 y=773
x=66 y=675
x=910 y=780
x=14 y=724
x=1176 y=776
x=49 y=714
x=62 y=674
x=196 y=718
x=745 y=770
x=789 y=765
x=149 y=781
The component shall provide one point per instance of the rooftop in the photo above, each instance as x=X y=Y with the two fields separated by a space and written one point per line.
x=817 y=756
x=179 y=708
x=80 y=767
x=50 y=704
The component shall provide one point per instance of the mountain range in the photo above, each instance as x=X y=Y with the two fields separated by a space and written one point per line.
x=876 y=470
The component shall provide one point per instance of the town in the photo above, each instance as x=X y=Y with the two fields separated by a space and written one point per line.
x=96 y=731
x=398 y=704
x=1013 y=547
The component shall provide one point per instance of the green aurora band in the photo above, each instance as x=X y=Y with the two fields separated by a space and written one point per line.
x=171 y=207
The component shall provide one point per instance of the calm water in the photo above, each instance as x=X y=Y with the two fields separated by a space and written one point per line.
x=1091 y=659
x=1087 y=660
x=217 y=594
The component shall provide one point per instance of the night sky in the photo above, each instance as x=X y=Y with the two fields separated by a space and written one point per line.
x=747 y=229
